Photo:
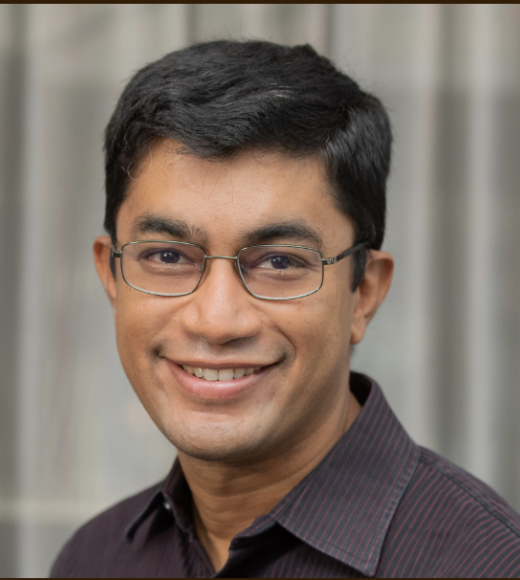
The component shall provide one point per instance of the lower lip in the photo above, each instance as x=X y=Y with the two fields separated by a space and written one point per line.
x=215 y=390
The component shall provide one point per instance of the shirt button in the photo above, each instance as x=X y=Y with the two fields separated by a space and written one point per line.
x=167 y=506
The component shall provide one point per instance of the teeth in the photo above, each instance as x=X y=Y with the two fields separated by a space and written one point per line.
x=225 y=375
x=220 y=375
x=210 y=374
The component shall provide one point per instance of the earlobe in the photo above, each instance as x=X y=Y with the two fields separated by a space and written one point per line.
x=371 y=292
x=106 y=270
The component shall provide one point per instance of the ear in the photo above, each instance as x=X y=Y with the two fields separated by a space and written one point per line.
x=102 y=251
x=371 y=292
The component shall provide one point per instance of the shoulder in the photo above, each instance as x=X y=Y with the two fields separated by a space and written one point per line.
x=93 y=546
x=470 y=488
x=454 y=524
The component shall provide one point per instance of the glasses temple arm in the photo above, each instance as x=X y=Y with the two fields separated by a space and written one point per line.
x=345 y=254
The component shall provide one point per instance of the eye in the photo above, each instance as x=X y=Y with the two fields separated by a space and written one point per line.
x=167 y=257
x=280 y=262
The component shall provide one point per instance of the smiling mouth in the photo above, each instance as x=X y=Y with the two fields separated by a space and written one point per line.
x=221 y=374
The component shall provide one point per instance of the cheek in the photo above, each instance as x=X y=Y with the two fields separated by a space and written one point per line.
x=320 y=331
x=138 y=319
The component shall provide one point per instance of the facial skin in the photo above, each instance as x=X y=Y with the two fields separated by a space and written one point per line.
x=291 y=413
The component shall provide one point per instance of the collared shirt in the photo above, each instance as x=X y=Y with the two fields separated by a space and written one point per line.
x=377 y=505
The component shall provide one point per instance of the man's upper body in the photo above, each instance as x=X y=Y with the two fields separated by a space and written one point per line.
x=245 y=210
x=377 y=505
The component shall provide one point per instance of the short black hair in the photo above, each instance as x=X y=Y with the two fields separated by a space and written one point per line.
x=223 y=97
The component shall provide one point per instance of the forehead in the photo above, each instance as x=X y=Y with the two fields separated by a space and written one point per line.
x=229 y=197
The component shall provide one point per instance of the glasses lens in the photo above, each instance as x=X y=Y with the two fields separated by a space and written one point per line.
x=166 y=268
x=280 y=271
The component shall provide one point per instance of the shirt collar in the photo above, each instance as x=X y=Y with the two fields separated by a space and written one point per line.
x=174 y=496
x=345 y=505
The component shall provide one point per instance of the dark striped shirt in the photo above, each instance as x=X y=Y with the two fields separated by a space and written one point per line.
x=377 y=505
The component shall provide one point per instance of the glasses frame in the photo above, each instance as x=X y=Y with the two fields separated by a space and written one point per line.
x=324 y=262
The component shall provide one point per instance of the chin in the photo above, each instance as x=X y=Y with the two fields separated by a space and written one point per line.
x=215 y=441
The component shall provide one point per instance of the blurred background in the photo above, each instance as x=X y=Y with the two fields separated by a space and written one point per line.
x=446 y=344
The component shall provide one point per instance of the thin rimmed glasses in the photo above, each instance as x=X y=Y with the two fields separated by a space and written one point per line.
x=268 y=272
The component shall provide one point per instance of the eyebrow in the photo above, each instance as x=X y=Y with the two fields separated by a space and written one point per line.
x=178 y=229
x=296 y=230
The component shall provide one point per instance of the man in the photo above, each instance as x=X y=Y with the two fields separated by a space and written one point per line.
x=245 y=210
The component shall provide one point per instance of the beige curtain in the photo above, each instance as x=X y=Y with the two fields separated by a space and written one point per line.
x=446 y=344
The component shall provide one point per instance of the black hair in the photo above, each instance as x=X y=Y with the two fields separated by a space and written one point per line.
x=223 y=97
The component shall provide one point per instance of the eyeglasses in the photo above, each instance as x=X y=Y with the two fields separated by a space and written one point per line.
x=268 y=272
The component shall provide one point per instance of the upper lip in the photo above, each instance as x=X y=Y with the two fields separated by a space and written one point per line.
x=220 y=366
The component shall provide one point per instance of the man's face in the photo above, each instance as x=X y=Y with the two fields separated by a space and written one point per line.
x=300 y=347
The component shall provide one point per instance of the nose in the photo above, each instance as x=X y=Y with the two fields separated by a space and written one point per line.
x=221 y=310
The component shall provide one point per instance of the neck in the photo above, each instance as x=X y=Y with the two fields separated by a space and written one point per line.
x=228 y=498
